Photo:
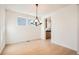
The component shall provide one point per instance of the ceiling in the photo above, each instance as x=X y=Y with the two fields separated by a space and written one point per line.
x=43 y=9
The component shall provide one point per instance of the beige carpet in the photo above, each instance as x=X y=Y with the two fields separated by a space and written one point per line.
x=37 y=47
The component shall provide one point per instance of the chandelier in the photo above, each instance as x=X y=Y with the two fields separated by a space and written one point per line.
x=36 y=22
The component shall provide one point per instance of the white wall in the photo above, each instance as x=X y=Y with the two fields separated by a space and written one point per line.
x=64 y=27
x=43 y=32
x=2 y=27
x=78 y=26
x=17 y=33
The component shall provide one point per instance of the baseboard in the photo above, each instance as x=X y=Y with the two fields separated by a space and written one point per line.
x=53 y=42
x=21 y=41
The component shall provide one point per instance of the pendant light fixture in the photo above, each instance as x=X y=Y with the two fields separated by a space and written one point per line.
x=36 y=22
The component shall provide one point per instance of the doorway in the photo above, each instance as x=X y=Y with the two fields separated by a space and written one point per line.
x=48 y=28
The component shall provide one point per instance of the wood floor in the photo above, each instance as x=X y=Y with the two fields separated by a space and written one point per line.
x=37 y=47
